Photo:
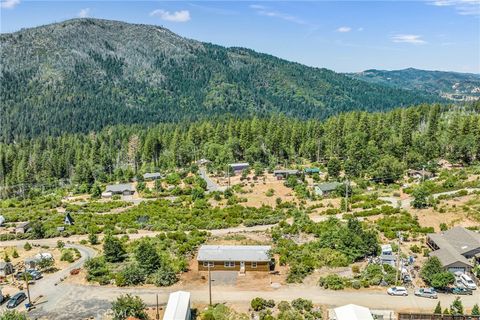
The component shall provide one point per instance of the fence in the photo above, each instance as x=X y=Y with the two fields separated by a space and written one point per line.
x=425 y=316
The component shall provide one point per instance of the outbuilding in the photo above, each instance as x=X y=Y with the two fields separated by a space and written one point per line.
x=178 y=306
x=152 y=176
x=284 y=174
x=2 y=220
x=22 y=227
x=6 y=268
x=235 y=258
x=324 y=189
x=68 y=219
x=238 y=167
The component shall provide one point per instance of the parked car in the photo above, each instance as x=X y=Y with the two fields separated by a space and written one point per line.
x=35 y=274
x=397 y=291
x=426 y=293
x=16 y=300
x=461 y=291
x=20 y=275
x=468 y=282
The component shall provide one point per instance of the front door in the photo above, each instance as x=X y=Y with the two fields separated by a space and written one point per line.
x=242 y=265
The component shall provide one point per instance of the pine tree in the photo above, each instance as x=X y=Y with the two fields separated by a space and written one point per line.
x=438 y=309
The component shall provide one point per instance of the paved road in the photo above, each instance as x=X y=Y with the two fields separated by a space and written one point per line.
x=211 y=185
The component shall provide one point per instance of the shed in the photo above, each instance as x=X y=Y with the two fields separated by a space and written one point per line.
x=68 y=219
x=6 y=268
x=352 y=312
x=2 y=220
x=238 y=167
x=234 y=258
x=22 y=227
x=178 y=306
x=121 y=188
x=324 y=189
x=152 y=176
x=283 y=174
x=311 y=170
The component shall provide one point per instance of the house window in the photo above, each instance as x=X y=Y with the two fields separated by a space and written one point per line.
x=206 y=264
x=229 y=264
x=254 y=264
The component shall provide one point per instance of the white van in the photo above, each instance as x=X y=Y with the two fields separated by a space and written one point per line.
x=468 y=282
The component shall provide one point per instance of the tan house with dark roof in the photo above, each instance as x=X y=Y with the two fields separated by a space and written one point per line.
x=455 y=248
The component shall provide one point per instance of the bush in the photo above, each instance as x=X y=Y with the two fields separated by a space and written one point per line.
x=15 y=253
x=302 y=304
x=133 y=275
x=67 y=255
x=333 y=282
x=27 y=246
x=60 y=244
x=129 y=306
x=258 y=304
x=164 y=277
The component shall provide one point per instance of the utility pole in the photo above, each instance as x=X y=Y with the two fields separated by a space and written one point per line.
x=157 y=316
x=398 y=257
x=25 y=276
x=423 y=173
x=228 y=175
x=209 y=285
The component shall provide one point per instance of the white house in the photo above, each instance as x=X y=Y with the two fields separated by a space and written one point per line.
x=178 y=306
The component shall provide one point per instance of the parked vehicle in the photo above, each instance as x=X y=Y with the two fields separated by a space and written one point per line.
x=35 y=274
x=397 y=291
x=426 y=293
x=16 y=300
x=21 y=276
x=2 y=297
x=461 y=291
x=468 y=282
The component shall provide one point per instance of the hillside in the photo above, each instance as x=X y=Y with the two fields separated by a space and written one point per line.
x=85 y=74
x=450 y=85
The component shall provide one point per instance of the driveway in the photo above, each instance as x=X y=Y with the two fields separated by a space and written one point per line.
x=211 y=185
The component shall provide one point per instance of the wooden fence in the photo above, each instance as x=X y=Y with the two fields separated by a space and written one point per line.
x=425 y=316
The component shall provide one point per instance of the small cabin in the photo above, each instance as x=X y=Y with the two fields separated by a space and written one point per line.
x=22 y=227
x=284 y=174
x=68 y=219
x=152 y=176
x=238 y=167
x=6 y=268
x=325 y=189
x=125 y=189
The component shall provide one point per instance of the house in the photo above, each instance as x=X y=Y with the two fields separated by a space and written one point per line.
x=125 y=189
x=152 y=176
x=238 y=167
x=6 y=268
x=324 y=189
x=68 y=219
x=419 y=174
x=32 y=262
x=235 y=258
x=284 y=174
x=178 y=306
x=22 y=227
x=2 y=220
x=387 y=256
x=455 y=248
x=351 y=312
x=311 y=171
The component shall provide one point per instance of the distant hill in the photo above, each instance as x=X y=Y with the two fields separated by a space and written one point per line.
x=450 y=85
x=85 y=74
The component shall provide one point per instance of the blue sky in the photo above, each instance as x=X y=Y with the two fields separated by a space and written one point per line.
x=345 y=36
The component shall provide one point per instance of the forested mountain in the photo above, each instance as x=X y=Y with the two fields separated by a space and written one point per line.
x=365 y=144
x=450 y=85
x=84 y=74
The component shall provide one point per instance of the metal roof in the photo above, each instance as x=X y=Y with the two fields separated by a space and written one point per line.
x=285 y=172
x=352 y=312
x=234 y=253
x=119 y=187
x=461 y=239
x=330 y=186
x=178 y=306
x=239 y=164
x=150 y=175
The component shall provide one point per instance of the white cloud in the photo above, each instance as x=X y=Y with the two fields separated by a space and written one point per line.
x=344 y=29
x=463 y=7
x=265 y=11
x=83 y=13
x=408 y=38
x=176 y=16
x=9 y=4
x=360 y=29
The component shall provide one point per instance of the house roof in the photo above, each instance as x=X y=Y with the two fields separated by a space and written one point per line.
x=330 y=186
x=239 y=164
x=285 y=172
x=352 y=312
x=119 y=187
x=4 y=264
x=461 y=239
x=312 y=170
x=23 y=224
x=449 y=256
x=234 y=253
x=151 y=175
x=178 y=306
